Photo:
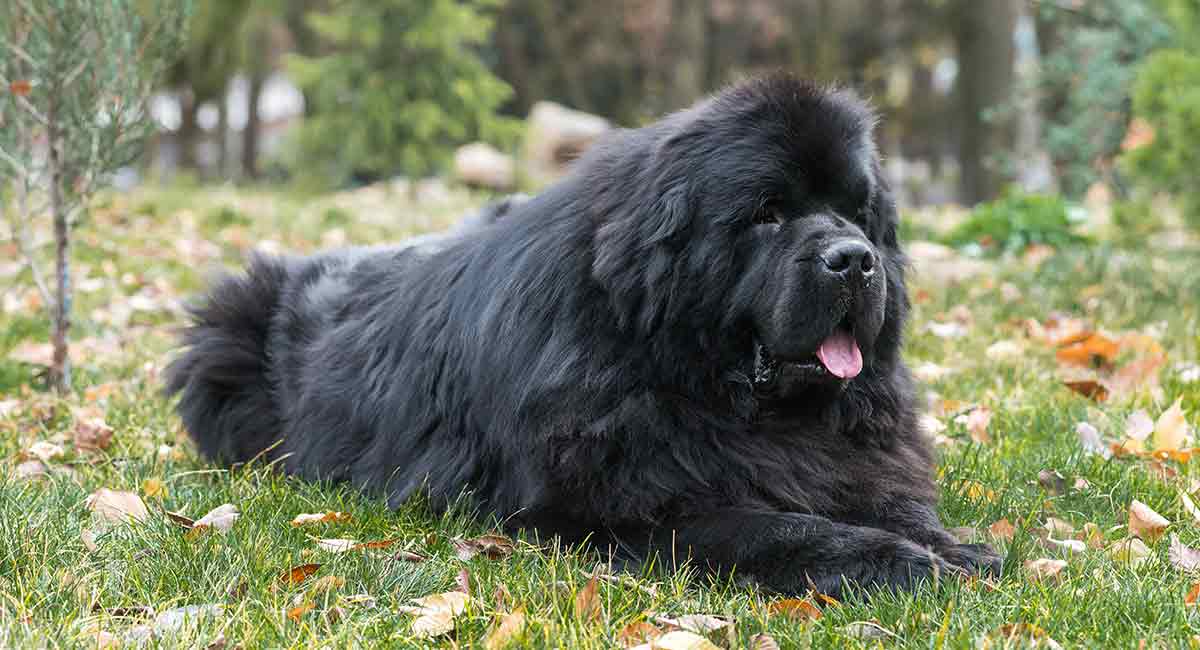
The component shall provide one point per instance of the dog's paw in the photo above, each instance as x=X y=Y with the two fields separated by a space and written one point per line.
x=974 y=559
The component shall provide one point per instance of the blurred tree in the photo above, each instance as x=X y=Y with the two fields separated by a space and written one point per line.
x=401 y=84
x=1090 y=55
x=1163 y=143
x=74 y=88
x=983 y=32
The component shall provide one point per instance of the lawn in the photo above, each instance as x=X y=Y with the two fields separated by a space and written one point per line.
x=988 y=346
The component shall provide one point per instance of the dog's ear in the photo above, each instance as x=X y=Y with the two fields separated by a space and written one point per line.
x=642 y=236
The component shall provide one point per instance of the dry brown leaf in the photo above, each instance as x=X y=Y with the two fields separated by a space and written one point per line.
x=91 y=433
x=325 y=584
x=298 y=612
x=977 y=425
x=795 y=609
x=1089 y=388
x=638 y=632
x=1092 y=536
x=298 y=574
x=327 y=517
x=1171 y=429
x=31 y=470
x=220 y=518
x=699 y=623
x=492 y=547
x=88 y=537
x=1145 y=523
x=1192 y=596
x=464 y=581
x=1023 y=635
x=336 y=545
x=1052 y=482
x=20 y=87
x=1002 y=529
x=1183 y=557
x=1131 y=551
x=44 y=451
x=117 y=506
x=179 y=519
x=587 y=603
x=509 y=630
x=376 y=544
x=409 y=556
x=1058 y=528
x=1045 y=569
x=427 y=626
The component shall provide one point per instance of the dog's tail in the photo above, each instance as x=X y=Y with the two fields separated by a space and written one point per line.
x=222 y=377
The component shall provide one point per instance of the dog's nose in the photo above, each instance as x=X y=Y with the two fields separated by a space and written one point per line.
x=849 y=257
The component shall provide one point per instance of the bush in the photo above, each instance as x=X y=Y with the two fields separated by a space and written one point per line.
x=1166 y=101
x=399 y=84
x=1016 y=220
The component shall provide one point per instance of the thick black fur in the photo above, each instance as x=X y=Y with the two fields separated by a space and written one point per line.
x=590 y=363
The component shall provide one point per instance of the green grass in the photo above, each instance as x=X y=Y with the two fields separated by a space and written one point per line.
x=54 y=592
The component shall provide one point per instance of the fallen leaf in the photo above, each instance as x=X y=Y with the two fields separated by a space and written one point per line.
x=298 y=612
x=326 y=584
x=44 y=451
x=436 y=613
x=1045 y=569
x=154 y=488
x=1145 y=523
x=1069 y=545
x=1089 y=388
x=679 y=640
x=116 y=506
x=92 y=433
x=1131 y=551
x=1192 y=595
x=1138 y=134
x=1052 y=482
x=464 y=581
x=20 y=87
x=795 y=609
x=327 y=517
x=587 y=604
x=1056 y=527
x=178 y=518
x=638 y=632
x=336 y=545
x=366 y=601
x=376 y=544
x=510 y=629
x=88 y=537
x=1090 y=440
x=1002 y=529
x=1137 y=376
x=975 y=491
x=492 y=547
x=867 y=631
x=1020 y=635
x=298 y=574
x=433 y=624
x=220 y=519
x=1004 y=350
x=409 y=556
x=1183 y=557
x=173 y=620
x=699 y=623
x=31 y=470
x=1092 y=536
x=1092 y=350
x=1171 y=429
x=977 y=425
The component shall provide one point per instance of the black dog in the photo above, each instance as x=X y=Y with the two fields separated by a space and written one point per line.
x=690 y=344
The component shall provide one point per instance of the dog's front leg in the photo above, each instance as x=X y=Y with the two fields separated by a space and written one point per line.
x=794 y=553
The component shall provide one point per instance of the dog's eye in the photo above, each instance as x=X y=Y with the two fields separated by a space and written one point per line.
x=769 y=214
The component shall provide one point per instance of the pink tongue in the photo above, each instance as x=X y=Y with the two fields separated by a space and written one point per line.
x=841 y=355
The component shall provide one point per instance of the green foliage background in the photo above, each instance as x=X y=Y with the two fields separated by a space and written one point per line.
x=401 y=84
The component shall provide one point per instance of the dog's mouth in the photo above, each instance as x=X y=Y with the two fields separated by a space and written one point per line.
x=837 y=358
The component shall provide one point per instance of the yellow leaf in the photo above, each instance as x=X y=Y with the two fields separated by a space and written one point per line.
x=1145 y=523
x=510 y=628
x=1171 y=430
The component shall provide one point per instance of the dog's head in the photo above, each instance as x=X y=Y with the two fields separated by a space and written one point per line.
x=759 y=220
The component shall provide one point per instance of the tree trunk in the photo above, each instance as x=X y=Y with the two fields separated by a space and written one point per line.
x=685 y=79
x=188 y=130
x=222 y=134
x=253 y=126
x=60 y=368
x=983 y=32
